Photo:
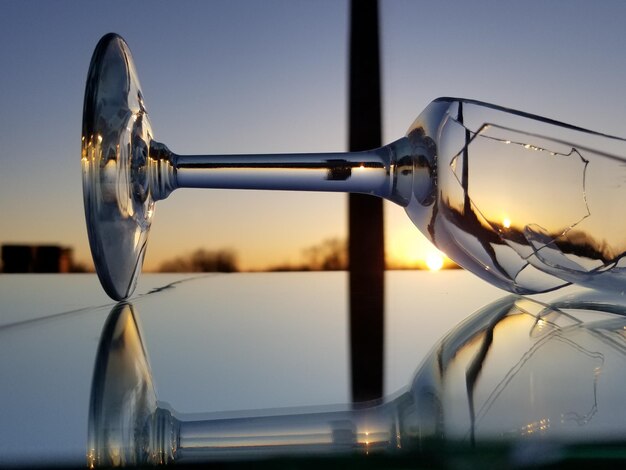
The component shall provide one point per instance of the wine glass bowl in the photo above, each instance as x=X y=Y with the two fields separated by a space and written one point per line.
x=525 y=202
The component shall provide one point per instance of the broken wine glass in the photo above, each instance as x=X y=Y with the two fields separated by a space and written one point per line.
x=527 y=203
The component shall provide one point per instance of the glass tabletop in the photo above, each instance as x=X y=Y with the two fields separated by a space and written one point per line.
x=220 y=344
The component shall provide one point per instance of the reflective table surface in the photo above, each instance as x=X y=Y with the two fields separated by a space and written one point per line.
x=222 y=343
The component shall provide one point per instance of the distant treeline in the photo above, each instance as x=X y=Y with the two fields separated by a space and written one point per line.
x=329 y=255
x=203 y=261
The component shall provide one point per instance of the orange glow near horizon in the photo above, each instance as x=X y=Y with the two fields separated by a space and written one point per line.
x=414 y=253
x=402 y=252
x=434 y=261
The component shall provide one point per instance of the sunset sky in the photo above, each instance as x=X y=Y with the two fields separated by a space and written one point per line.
x=270 y=76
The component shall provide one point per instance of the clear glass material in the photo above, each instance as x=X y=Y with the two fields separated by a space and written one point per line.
x=517 y=371
x=116 y=138
x=524 y=202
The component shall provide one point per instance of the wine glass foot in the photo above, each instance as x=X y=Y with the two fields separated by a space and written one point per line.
x=116 y=137
x=123 y=399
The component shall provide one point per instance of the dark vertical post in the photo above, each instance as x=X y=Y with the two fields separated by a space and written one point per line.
x=366 y=238
x=467 y=207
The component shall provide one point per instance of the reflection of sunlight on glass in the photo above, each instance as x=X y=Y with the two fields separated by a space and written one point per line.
x=538 y=426
x=506 y=223
x=434 y=261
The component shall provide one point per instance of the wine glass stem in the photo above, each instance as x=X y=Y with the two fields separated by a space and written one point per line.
x=346 y=172
x=374 y=428
x=369 y=172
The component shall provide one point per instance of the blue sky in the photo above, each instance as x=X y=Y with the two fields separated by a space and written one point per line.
x=270 y=76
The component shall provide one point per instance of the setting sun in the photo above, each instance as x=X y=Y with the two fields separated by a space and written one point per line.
x=406 y=248
x=434 y=261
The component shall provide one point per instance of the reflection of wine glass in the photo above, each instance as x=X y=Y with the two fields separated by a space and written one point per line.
x=517 y=370
x=527 y=203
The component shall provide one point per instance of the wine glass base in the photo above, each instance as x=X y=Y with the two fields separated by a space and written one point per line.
x=116 y=138
x=123 y=399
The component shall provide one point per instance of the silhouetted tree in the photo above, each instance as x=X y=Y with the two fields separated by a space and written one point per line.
x=224 y=261
x=328 y=255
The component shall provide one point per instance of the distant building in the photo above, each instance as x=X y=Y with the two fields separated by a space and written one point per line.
x=36 y=259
